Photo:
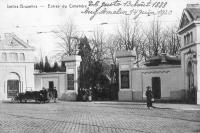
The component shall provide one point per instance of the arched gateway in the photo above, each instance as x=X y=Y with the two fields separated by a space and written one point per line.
x=16 y=66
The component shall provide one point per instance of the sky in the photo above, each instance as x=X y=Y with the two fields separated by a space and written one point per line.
x=27 y=22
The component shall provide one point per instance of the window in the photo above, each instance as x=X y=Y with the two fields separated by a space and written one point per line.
x=13 y=57
x=22 y=57
x=124 y=79
x=185 y=40
x=191 y=37
x=188 y=38
x=70 y=81
x=4 y=57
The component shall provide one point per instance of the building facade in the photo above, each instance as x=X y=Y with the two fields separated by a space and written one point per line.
x=66 y=83
x=189 y=31
x=171 y=78
x=162 y=73
x=16 y=66
x=52 y=80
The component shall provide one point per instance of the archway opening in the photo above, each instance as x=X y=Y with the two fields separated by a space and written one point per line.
x=191 y=88
x=13 y=84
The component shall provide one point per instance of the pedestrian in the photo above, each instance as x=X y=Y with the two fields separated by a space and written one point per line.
x=44 y=94
x=90 y=94
x=149 y=96
x=55 y=94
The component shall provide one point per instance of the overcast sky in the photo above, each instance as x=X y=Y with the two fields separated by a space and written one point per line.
x=25 y=23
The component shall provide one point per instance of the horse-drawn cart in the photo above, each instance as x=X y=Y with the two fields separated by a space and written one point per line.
x=42 y=96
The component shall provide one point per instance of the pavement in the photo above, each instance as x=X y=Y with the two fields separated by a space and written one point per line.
x=174 y=106
x=177 y=106
x=98 y=117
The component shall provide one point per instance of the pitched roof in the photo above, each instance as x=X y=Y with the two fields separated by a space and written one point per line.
x=11 y=41
x=194 y=13
x=190 y=13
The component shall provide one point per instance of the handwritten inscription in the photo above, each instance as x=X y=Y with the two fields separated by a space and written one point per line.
x=135 y=8
x=93 y=8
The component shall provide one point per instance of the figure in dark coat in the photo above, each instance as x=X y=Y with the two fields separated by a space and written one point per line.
x=44 y=95
x=149 y=96
x=55 y=94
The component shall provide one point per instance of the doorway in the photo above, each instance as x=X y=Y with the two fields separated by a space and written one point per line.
x=190 y=76
x=12 y=88
x=51 y=85
x=191 y=93
x=156 y=87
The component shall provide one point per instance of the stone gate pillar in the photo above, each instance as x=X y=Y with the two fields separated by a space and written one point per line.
x=126 y=60
x=72 y=64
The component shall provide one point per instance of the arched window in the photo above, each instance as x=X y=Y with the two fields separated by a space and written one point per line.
x=4 y=57
x=22 y=57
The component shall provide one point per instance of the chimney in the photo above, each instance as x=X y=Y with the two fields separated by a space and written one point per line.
x=163 y=57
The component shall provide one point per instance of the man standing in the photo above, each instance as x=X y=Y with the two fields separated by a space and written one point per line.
x=149 y=96
x=55 y=94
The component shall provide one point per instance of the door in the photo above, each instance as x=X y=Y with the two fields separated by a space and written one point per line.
x=12 y=88
x=51 y=85
x=156 y=87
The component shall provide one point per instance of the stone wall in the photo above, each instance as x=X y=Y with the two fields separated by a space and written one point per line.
x=170 y=78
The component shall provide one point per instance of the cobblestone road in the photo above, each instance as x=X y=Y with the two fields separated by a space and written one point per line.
x=94 y=117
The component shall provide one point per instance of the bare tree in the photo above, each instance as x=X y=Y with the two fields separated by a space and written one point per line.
x=98 y=45
x=147 y=43
x=161 y=40
x=112 y=45
x=155 y=38
x=131 y=38
x=172 y=44
x=68 y=40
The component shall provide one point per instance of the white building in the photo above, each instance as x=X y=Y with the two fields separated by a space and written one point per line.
x=169 y=78
x=16 y=66
x=189 y=30
x=66 y=83
x=162 y=73
x=55 y=80
x=17 y=71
